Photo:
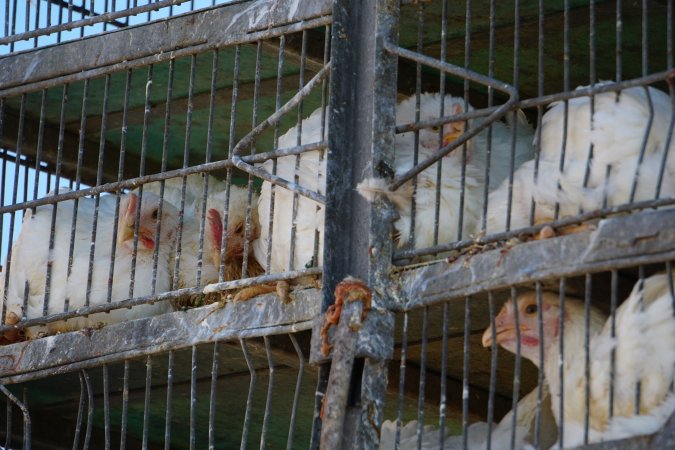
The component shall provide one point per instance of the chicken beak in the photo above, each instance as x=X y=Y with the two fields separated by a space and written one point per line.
x=450 y=137
x=487 y=337
x=504 y=333
x=125 y=232
x=505 y=329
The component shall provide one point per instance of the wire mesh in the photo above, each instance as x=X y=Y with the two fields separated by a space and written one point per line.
x=537 y=364
x=193 y=170
x=142 y=407
x=34 y=24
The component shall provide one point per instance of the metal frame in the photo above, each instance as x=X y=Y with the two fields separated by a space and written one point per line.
x=352 y=382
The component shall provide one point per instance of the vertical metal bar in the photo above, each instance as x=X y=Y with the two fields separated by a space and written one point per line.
x=362 y=121
x=26 y=418
x=465 y=372
x=125 y=406
x=134 y=252
x=205 y=186
x=249 y=185
x=493 y=370
x=146 y=403
x=416 y=135
x=120 y=176
x=7 y=14
x=78 y=421
x=13 y=22
x=444 y=374
x=540 y=108
x=169 y=402
x=516 y=372
x=8 y=436
x=566 y=87
x=99 y=179
x=467 y=60
x=561 y=364
x=488 y=153
x=8 y=261
x=638 y=383
x=423 y=374
x=324 y=107
x=228 y=179
x=298 y=387
x=514 y=127
x=165 y=140
x=106 y=406
x=251 y=391
x=540 y=380
x=76 y=202
x=212 y=399
x=439 y=167
x=268 y=400
x=270 y=224
x=619 y=42
x=612 y=328
x=90 y=409
x=186 y=163
x=587 y=354
x=40 y=144
x=296 y=177
x=401 y=378
x=193 y=398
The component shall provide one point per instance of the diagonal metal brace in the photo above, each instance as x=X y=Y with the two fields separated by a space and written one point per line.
x=464 y=137
x=272 y=120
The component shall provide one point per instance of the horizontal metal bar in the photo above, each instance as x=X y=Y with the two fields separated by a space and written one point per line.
x=624 y=241
x=106 y=307
x=158 y=41
x=83 y=10
x=289 y=151
x=245 y=282
x=405 y=128
x=164 y=296
x=133 y=183
x=109 y=17
x=262 y=316
x=540 y=101
x=464 y=137
x=401 y=257
x=598 y=88
x=272 y=120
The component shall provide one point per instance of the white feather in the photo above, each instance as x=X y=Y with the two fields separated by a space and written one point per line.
x=477 y=433
x=30 y=256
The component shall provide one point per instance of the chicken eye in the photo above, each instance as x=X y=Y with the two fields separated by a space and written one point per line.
x=531 y=309
x=155 y=214
x=435 y=129
x=239 y=228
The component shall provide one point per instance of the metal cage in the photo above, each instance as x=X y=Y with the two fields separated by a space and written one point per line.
x=188 y=189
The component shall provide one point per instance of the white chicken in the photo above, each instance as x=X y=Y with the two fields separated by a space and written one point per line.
x=644 y=349
x=477 y=433
x=620 y=125
x=450 y=189
x=305 y=218
x=31 y=257
x=298 y=222
x=213 y=229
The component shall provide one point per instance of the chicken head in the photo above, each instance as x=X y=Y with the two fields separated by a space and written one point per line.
x=148 y=222
x=528 y=321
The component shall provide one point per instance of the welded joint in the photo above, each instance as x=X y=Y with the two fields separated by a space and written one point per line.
x=371 y=328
